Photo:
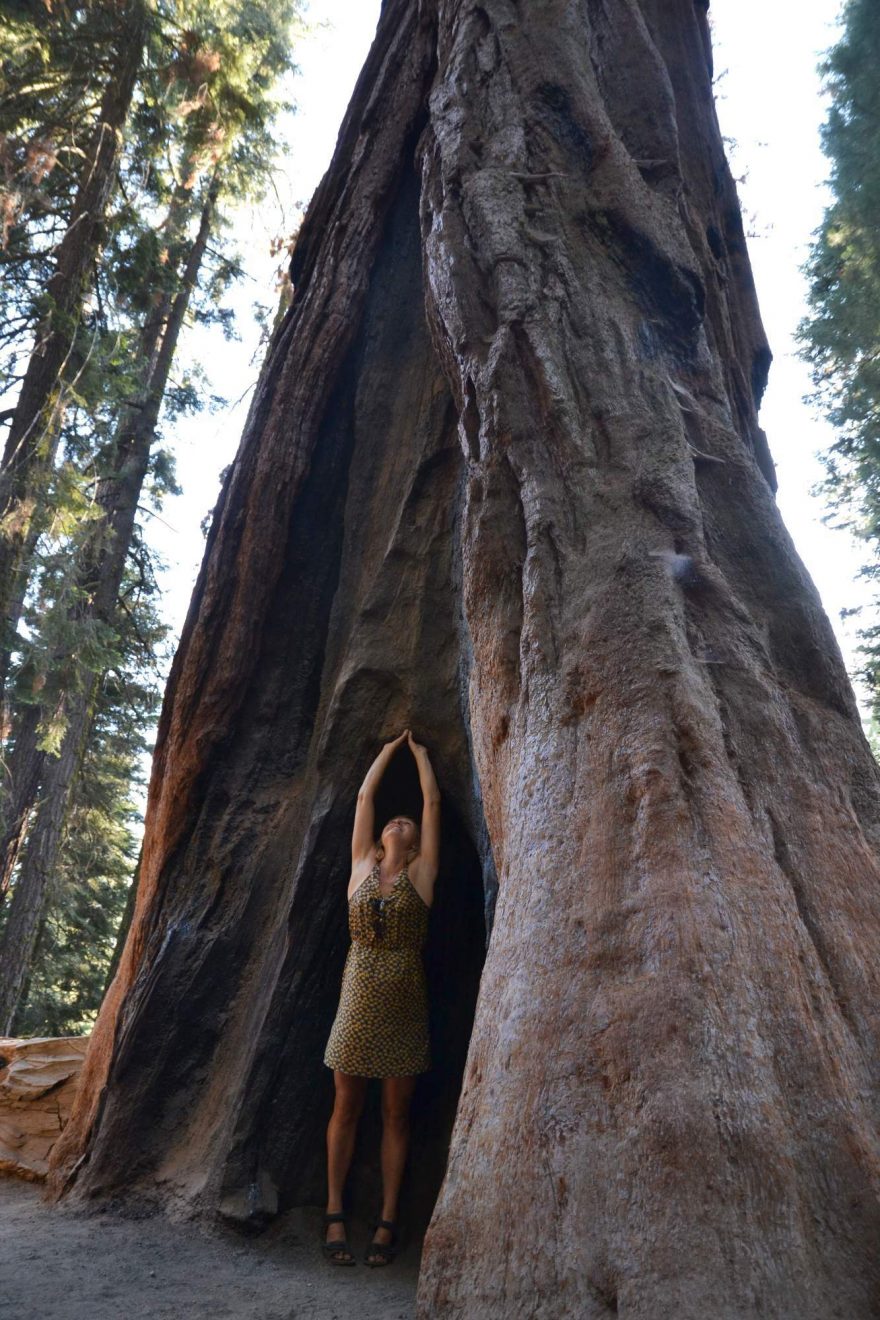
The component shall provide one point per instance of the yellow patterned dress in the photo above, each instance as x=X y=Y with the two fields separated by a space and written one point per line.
x=381 y=1025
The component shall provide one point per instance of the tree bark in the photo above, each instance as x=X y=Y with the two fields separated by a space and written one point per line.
x=34 y=428
x=33 y=889
x=546 y=535
x=22 y=775
x=99 y=579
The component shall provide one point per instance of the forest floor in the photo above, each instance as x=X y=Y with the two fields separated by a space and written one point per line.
x=61 y=1263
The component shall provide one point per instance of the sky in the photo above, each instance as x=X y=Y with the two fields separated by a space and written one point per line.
x=769 y=101
x=329 y=59
x=770 y=106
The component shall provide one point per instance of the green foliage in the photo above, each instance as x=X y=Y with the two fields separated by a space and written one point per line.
x=840 y=338
x=205 y=102
x=210 y=89
x=55 y=61
x=102 y=831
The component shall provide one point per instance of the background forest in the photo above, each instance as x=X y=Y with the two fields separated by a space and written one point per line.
x=131 y=136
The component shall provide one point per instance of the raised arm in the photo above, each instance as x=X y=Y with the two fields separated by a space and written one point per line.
x=362 y=838
x=429 y=851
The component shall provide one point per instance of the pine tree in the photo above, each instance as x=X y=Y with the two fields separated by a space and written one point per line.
x=227 y=102
x=841 y=335
x=55 y=60
x=34 y=425
x=99 y=567
x=93 y=876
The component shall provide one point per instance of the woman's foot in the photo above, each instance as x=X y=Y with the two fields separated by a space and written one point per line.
x=381 y=1250
x=334 y=1233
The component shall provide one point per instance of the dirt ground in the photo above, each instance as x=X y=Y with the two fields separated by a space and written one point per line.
x=59 y=1263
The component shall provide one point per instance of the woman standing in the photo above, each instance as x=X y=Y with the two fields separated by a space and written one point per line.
x=381 y=1025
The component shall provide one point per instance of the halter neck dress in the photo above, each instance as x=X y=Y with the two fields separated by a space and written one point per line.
x=381 y=1024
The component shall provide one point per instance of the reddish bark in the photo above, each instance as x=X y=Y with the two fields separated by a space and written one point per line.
x=669 y=1105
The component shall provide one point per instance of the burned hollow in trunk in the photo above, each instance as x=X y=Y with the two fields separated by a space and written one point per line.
x=247 y=958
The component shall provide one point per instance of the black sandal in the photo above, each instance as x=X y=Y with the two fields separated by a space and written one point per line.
x=330 y=1248
x=384 y=1250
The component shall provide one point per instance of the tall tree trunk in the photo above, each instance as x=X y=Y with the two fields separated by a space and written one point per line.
x=22 y=784
x=33 y=889
x=99 y=579
x=544 y=534
x=34 y=428
x=100 y=568
x=15 y=1028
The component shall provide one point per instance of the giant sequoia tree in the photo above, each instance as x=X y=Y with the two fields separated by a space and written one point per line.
x=503 y=480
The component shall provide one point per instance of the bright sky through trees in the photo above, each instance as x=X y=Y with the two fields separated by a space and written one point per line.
x=769 y=103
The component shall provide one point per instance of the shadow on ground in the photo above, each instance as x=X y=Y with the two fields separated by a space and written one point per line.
x=58 y=1263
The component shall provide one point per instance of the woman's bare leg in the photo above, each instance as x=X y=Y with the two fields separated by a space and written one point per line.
x=341 y=1133
x=396 y=1096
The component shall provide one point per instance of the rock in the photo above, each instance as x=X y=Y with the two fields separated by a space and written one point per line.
x=38 y=1081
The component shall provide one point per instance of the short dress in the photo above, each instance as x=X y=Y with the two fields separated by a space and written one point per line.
x=381 y=1024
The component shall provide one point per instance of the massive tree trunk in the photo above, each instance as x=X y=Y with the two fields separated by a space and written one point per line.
x=538 y=525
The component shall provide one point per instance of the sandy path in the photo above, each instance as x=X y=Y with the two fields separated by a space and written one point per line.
x=57 y=1263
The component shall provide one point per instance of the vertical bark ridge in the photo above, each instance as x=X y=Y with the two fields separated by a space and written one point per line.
x=628 y=846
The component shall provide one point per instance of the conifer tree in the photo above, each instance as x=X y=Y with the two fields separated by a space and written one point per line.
x=224 y=79
x=78 y=933
x=55 y=60
x=33 y=431
x=841 y=335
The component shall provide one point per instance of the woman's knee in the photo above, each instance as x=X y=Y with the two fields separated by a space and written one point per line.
x=349 y=1102
x=396 y=1108
x=396 y=1118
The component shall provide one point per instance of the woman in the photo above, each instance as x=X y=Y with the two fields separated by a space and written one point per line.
x=381 y=1025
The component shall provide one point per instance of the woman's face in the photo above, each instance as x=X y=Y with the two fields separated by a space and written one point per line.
x=402 y=828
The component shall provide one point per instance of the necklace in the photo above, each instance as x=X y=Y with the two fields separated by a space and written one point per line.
x=403 y=871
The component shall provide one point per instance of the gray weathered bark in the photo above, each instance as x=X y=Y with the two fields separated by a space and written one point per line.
x=548 y=538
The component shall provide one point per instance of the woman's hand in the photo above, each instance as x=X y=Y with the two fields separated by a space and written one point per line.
x=416 y=748
x=393 y=745
x=428 y=861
